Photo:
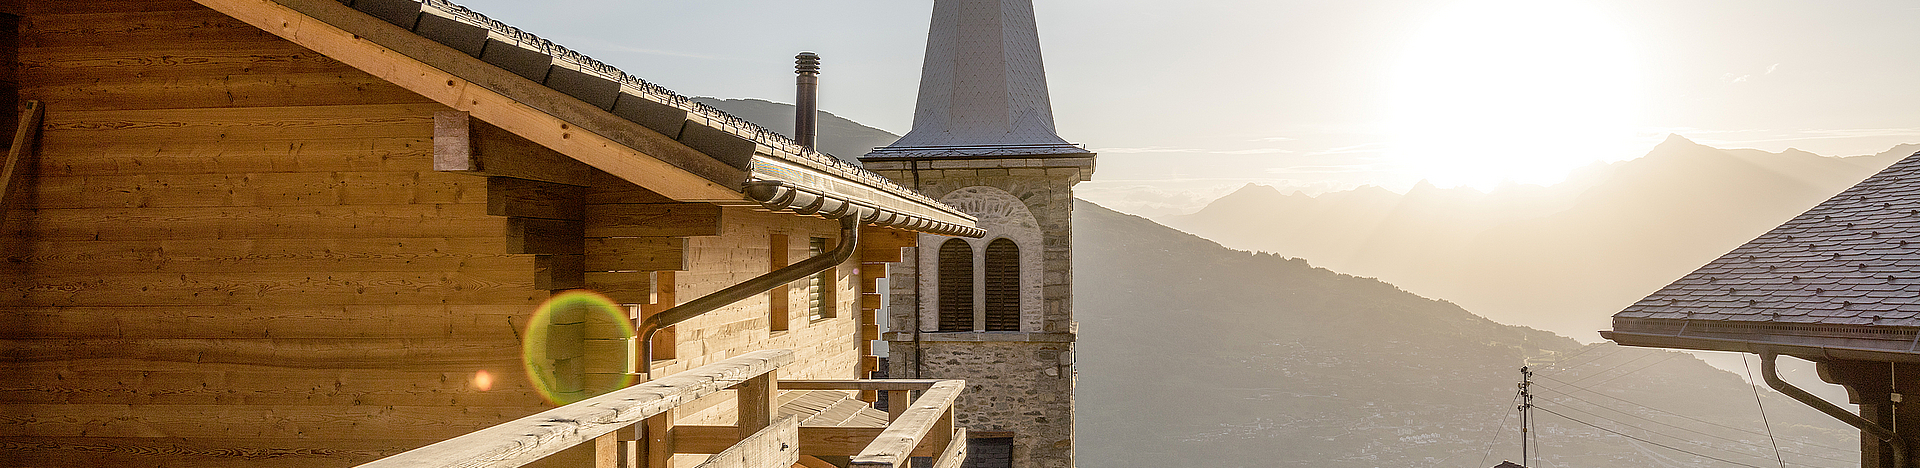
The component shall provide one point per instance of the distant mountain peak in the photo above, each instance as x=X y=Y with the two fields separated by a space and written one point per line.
x=1675 y=139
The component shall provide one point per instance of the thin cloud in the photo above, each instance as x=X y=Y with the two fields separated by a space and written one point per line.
x=1328 y=169
x=1361 y=148
x=1740 y=78
x=1257 y=151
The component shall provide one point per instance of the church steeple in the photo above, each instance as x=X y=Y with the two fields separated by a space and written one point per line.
x=983 y=90
x=996 y=310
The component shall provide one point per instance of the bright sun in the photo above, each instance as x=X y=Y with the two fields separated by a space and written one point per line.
x=1513 y=90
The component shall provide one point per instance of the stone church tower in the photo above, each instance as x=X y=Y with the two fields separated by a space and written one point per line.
x=998 y=310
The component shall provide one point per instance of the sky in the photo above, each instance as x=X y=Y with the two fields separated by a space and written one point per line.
x=1186 y=101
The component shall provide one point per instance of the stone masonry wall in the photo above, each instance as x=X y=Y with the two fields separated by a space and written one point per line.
x=1032 y=396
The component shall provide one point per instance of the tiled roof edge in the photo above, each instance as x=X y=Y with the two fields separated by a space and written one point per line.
x=781 y=146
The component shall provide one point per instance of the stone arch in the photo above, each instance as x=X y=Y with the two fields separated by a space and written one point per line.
x=1004 y=217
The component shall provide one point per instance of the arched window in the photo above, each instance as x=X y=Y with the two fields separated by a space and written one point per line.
x=1003 y=285
x=956 y=286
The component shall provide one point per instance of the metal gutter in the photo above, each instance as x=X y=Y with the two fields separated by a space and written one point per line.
x=782 y=195
x=1770 y=374
x=1811 y=352
x=849 y=243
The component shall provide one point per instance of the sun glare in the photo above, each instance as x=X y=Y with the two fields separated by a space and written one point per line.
x=1522 y=91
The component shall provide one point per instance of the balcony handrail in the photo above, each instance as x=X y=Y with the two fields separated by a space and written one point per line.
x=860 y=384
x=525 y=440
x=931 y=413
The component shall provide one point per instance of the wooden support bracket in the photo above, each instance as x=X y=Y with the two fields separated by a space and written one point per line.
x=25 y=136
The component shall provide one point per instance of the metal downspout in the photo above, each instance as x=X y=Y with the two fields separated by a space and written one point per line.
x=919 y=272
x=849 y=243
x=1768 y=372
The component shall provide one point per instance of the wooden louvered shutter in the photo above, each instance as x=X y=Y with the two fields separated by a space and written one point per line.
x=817 y=298
x=1003 y=286
x=956 y=286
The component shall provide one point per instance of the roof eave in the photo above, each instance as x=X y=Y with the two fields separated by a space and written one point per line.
x=1882 y=351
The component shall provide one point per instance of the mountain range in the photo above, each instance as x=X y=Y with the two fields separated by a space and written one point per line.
x=1192 y=352
x=1562 y=258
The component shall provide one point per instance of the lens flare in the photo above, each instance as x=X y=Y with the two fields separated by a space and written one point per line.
x=483 y=380
x=574 y=347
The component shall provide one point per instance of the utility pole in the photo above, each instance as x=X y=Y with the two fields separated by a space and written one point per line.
x=1526 y=414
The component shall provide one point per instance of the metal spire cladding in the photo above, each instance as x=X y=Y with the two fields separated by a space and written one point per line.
x=983 y=90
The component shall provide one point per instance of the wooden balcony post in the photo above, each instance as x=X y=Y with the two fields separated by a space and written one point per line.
x=942 y=432
x=658 y=446
x=618 y=449
x=756 y=398
x=897 y=403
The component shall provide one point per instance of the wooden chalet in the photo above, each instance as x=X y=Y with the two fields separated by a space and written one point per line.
x=317 y=233
x=1838 y=285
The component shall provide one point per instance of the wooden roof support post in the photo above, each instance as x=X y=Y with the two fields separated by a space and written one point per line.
x=24 y=138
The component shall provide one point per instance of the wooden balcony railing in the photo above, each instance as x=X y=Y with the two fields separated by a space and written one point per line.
x=633 y=427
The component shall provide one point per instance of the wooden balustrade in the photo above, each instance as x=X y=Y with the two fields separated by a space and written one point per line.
x=928 y=421
x=531 y=438
x=632 y=427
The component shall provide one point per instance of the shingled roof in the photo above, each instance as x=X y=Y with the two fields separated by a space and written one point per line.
x=1841 y=281
x=749 y=163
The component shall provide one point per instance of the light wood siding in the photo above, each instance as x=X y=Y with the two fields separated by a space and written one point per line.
x=233 y=251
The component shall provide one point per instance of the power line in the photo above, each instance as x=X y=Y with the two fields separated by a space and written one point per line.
x=1690 y=418
x=1763 y=411
x=1643 y=418
x=1501 y=430
x=1569 y=358
x=1690 y=442
x=1638 y=369
x=1665 y=446
x=1558 y=369
x=1610 y=369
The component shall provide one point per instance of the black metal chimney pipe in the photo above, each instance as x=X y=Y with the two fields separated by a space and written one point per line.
x=806 y=103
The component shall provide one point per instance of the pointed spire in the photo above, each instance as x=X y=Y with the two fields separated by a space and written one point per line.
x=983 y=90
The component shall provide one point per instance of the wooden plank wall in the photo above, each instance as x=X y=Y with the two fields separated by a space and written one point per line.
x=234 y=251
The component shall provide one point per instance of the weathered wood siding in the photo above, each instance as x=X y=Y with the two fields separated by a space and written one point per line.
x=235 y=251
